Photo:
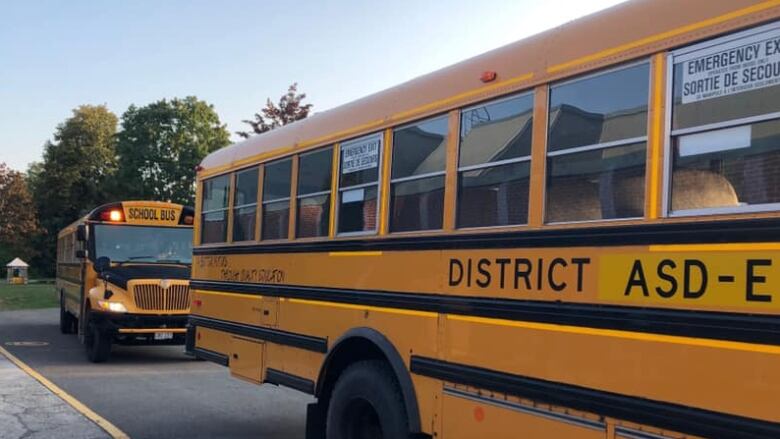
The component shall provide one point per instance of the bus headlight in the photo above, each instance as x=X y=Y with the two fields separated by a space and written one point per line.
x=111 y=306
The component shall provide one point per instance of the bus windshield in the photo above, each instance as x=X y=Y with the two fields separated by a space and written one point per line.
x=143 y=244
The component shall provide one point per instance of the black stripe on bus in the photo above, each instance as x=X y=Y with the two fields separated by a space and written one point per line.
x=750 y=328
x=683 y=419
x=307 y=342
x=711 y=232
x=214 y=357
x=280 y=378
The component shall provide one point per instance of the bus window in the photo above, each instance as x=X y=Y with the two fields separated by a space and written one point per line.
x=597 y=146
x=276 y=199
x=245 y=205
x=417 y=184
x=359 y=184
x=314 y=177
x=494 y=163
x=215 y=205
x=725 y=125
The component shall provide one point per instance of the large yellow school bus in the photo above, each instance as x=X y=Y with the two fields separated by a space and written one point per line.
x=122 y=275
x=573 y=236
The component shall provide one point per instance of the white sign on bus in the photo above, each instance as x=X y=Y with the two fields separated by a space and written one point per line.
x=360 y=155
x=735 y=67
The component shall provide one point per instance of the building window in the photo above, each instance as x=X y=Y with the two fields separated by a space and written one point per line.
x=596 y=148
x=725 y=144
x=494 y=163
x=417 y=183
x=214 y=211
x=276 y=199
x=245 y=205
x=314 y=179
x=359 y=184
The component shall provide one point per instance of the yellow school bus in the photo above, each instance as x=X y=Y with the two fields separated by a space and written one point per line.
x=122 y=275
x=573 y=236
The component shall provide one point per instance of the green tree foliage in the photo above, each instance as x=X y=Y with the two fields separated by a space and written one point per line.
x=75 y=175
x=289 y=110
x=18 y=224
x=161 y=143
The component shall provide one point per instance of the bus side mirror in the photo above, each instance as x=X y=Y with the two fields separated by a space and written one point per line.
x=81 y=254
x=101 y=264
x=81 y=232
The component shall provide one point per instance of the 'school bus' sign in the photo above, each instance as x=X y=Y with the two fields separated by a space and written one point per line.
x=738 y=66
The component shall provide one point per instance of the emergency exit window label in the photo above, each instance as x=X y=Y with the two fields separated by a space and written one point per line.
x=744 y=280
x=750 y=63
x=360 y=155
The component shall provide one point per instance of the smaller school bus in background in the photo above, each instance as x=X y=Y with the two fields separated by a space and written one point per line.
x=122 y=275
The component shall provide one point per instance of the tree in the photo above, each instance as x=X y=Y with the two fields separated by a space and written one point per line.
x=160 y=145
x=18 y=223
x=289 y=110
x=76 y=173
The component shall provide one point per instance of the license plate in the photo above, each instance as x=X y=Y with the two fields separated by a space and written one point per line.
x=163 y=335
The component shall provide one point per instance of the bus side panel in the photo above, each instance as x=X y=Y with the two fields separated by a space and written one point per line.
x=727 y=377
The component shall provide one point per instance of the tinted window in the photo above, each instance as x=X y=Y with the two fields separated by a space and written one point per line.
x=420 y=148
x=313 y=216
x=496 y=131
x=608 y=107
x=599 y=184
x=215 y=193
x=494 y=196
x=417 y=204
x=276 y=182
x=730 y=167
x=315 y=171
x=276 y=218
x=246 y=187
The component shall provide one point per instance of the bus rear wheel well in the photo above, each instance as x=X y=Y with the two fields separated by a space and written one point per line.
x=361 y=344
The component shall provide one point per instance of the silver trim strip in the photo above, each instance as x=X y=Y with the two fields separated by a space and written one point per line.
x=418 y=177
x=241 y=206
x=313 y=194
x=526 y=158
x=562 y=417
x=598 y=146
x=768 y=207
x=276 y=200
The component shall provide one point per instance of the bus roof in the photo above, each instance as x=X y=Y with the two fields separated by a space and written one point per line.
x=624 y=32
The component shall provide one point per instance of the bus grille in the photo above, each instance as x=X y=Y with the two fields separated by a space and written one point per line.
x=154 y=297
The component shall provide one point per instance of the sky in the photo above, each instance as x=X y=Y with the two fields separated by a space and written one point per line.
x=57 y=55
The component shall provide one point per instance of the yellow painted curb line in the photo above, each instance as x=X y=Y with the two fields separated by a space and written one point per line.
x=102 y=422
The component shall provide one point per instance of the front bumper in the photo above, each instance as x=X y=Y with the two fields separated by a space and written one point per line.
x=140 y=328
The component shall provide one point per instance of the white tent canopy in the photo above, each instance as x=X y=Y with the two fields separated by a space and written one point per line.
x=17 y=263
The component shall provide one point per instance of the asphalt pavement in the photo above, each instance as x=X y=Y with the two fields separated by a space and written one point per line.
x=154 y=392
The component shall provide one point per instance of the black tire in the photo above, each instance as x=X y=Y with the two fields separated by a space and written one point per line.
x=367 y=404
x=97 y=342
x=67 y=321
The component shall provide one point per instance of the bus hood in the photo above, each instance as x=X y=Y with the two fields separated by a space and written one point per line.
x=120 y=275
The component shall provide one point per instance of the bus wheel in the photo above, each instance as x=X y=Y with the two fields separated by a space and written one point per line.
x=98 y=343
x=67 y=321
x=367 y=404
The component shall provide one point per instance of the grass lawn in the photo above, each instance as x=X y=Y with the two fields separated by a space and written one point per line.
x=27 y=296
